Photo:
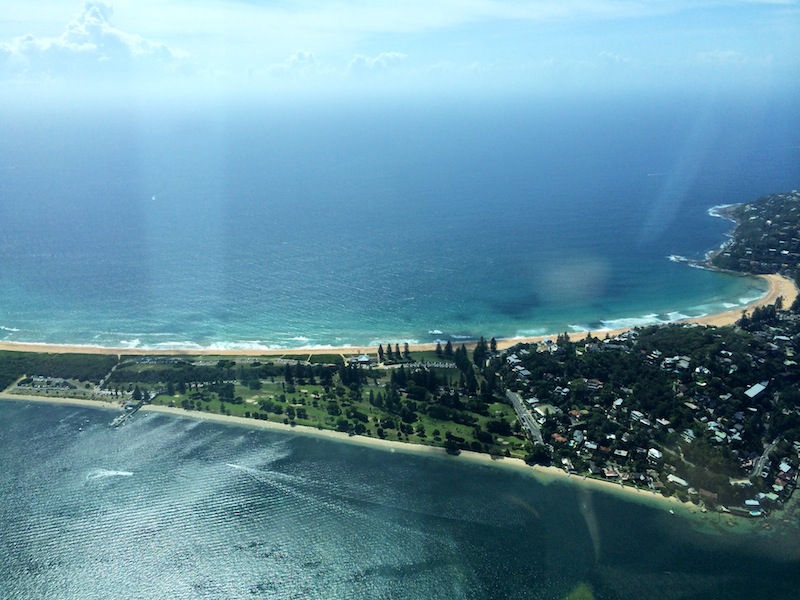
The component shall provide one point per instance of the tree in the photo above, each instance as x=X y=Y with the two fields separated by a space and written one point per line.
x=406 y=351
x=226 y=392
x=287 y=373
x=448 y=348
x=471 y=382
x=299 y=373
x=461 y=358
x=438 y=348
x=451 y=446
x=479 y=354
x=389 y=355
x=539 y=455
x=493 y=345
x=397 y=351
x=137 y=394
x=380 y=353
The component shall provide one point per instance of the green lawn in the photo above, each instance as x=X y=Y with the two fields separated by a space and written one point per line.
x=313 y=400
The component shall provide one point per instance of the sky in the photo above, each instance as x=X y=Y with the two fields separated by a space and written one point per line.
x=412 y=46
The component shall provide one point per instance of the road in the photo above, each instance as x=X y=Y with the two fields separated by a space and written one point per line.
x=758 y=465
x=525 y=417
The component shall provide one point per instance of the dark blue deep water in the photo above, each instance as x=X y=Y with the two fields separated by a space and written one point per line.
x=168 y=507
x=276 y=225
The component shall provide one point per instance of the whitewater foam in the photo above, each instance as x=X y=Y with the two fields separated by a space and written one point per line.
x=105 y=473
x=716 y=211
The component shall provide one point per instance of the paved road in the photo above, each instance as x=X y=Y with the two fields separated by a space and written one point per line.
x=758 y=466
x=525 y=417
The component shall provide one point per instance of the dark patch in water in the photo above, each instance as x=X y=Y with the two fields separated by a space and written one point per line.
x=517 y=308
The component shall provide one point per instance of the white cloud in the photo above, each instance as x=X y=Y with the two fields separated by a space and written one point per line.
x=299 y=66
x=384 y=61
x=731 y=57
x=476 y=42
x=90 y=45
x=614 y=57
x=298 y=63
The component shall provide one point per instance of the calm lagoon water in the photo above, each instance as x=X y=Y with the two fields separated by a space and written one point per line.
x=171 y=507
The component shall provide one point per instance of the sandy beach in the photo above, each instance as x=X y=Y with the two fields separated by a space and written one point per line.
x=544 y=475
x=779 y=286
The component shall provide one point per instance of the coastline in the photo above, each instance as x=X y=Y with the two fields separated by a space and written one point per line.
x=543 y=475
x=778 y=286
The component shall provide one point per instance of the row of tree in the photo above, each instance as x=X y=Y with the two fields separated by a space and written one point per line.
x=81 y=367
x=395 y=355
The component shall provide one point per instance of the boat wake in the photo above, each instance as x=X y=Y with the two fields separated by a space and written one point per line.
x=105 y=473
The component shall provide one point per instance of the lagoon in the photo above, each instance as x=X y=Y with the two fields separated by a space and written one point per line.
x=173 y=506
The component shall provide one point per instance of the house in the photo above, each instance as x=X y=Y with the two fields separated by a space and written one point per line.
x=756 y=390
x=594 y=385
x=677 y=480
x=361 y=359
x=654 y=454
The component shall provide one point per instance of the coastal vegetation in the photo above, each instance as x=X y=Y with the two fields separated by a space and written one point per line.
x=767 y=238
x=421 y=399
x=707 y=414
x=87 y=368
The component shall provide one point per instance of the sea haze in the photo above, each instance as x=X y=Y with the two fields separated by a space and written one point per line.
x=241 y=225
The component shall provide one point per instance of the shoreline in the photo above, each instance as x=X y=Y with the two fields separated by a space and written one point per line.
x=778 y=286
x=543 y=475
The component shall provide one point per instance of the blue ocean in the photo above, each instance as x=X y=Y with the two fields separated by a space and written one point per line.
x=169 y=507
x=241 y=224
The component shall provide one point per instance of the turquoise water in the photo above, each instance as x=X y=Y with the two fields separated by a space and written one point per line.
x=350 y=224
x=167 y=507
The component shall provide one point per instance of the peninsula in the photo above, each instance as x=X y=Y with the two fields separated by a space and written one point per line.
x=706 y=411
